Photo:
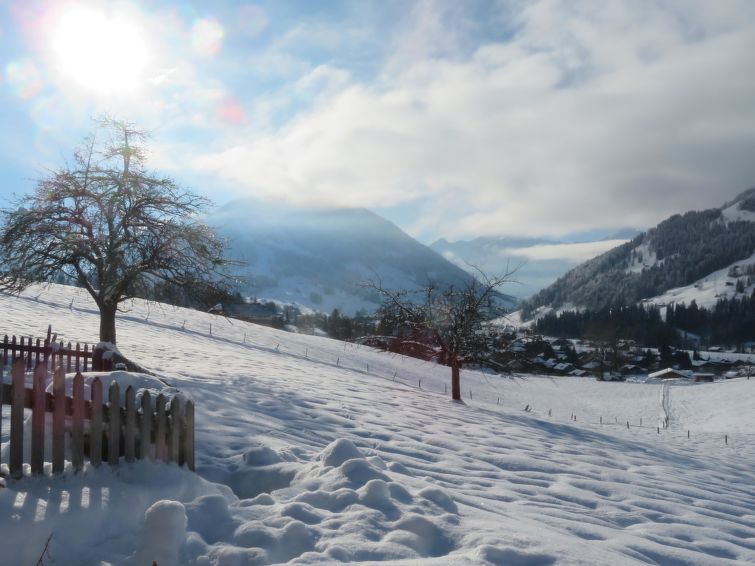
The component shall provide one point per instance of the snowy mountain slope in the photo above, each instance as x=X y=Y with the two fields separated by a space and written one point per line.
x=308 y=451
x=677 y=253
x=320 y=258
x=707 y=291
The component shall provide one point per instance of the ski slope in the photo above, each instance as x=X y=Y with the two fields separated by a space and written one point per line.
x=311 y=450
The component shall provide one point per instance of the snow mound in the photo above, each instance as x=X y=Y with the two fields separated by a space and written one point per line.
x=338 y=452
x=164 y=533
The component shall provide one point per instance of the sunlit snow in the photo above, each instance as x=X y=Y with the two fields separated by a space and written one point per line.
x=311 y=450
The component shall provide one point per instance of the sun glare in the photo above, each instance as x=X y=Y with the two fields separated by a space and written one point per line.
x=103 y=53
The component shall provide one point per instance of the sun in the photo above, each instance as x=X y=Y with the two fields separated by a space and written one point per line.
x=100 y=52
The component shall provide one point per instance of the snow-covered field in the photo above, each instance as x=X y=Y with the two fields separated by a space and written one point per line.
x=315 y=451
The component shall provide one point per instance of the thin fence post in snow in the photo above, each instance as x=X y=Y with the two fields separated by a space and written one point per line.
x=688 y=434
x=189 y=434
x=174 y=430
x=627 y=425
x=145 y=428
x=86 y=357
x=549 y=413
x=38 y=420
x=129 y=436
x=160 y=452
x=419 y=384
x=95 y=435
x=77 y=425
x=16 y=463
x=78 y=356
x=601 y=420
x=114 y=432
x=58 y=420
x=37 y=353
x=658 y=430
x=726 y=439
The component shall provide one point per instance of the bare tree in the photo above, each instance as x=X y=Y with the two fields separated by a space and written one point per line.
x=452 y=319
x=111 y=225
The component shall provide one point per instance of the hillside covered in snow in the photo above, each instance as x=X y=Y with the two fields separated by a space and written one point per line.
x=311 y=450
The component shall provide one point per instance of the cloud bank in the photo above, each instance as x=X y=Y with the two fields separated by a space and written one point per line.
x=559 y=117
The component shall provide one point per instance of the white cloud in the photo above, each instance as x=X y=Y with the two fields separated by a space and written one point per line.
x=592 y=115
x=574 y=253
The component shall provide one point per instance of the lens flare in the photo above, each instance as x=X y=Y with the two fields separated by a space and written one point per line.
x=24 y=78
x=99 y=52
x=207 y=37
x=230 y=111
x=252 y=20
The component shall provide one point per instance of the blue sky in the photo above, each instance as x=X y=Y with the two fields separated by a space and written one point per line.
x=453 y=119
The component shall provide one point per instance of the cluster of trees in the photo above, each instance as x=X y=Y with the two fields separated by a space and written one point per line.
x=643 y=324
x=686 y=247
x=731 y=321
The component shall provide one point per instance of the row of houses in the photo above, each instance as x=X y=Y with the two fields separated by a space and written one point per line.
x=540 y=355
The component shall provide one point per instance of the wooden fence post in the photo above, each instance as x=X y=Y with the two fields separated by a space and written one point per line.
x=58 y=420
x=145 y=432
x=16 y=463
x=77 y=426
x=189 y=435
x=95 y=437
x=129 y=435
x=160 y=451
x=114 y=433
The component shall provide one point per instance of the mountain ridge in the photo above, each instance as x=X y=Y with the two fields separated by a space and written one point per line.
x=320 y=258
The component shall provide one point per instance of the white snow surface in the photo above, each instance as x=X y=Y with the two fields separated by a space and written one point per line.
x=311 y=450
x=707 y=291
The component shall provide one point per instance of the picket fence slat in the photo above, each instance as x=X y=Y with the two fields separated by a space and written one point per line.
x=129 y=450
x=114 y=431
x=16 y=463
x=38 y=420
x=58 y=421
x=175 y=429
x=95 y=439
x=77 y=426
x=145 y=428
x=160 y=449
x=189 y=435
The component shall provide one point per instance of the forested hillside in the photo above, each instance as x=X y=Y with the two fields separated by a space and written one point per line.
x=678 y=252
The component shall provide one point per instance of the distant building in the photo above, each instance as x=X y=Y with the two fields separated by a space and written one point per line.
x=669 y=373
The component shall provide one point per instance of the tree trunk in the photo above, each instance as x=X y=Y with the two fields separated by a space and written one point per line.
x=107 y=322
x=455 y=379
